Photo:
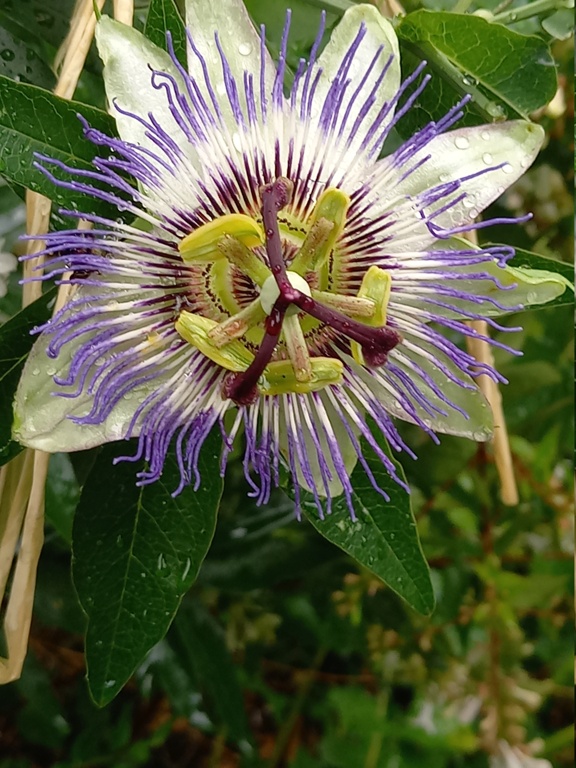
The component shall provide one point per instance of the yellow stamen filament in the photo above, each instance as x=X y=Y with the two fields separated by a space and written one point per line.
x=331 y=208
x=350 y=305
x=246 y=260
x=297 y=348
x=237 y=325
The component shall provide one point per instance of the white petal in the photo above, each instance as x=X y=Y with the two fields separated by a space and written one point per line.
x=453 y=156
x=128 y=57
x=41 y=419
x=379 y=33
x=240 y=43
x=333 y=442
x=478 y=425
x=526 y=288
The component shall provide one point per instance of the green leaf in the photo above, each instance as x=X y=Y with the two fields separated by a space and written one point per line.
x=303 y=28
x=136 y=551
x=21 y=62
x=15 y=343
x=538 y=269
x=560 y=24
x=507 y=74
x=202 y=651
x=164 y=16
x=62 y=494
x=33 y=120
x=47 y=20
x=384 y=537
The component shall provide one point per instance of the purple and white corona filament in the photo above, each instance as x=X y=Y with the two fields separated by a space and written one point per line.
x=278 y=269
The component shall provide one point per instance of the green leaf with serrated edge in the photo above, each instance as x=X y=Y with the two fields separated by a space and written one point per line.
x=33 y=120
x=507 y=74
x=136 y=551
x=384 y=537
x=15 y=343
x=201 y=647
x=21 y=62
x=164 y=16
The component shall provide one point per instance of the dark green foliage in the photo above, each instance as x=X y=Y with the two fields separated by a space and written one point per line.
x=296 y=644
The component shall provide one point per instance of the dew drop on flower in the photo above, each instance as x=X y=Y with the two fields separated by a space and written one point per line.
x=36 y=371
x=485 y=136
x=245 y=49
x=487 y=158
x=507 y=168
x=461 y=142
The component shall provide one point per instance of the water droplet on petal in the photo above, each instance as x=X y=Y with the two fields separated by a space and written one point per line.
x=237 y=141
x=507 y=168
x=245 y=49
x=36 y=371
x=7 y=54
x=487 y=158
x=485 y=136
x=461 y=142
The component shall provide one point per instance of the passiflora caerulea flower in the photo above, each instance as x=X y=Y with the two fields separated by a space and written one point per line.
x=280 y=280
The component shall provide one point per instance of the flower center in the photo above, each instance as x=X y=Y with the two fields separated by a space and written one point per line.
x=270 y=292
x=282 y=363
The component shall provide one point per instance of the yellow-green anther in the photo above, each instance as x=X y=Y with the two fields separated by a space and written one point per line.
x=242 y=257
x=376 y=286
x=330 y=209
x=279 y=377
x=195 y=329
x=202 y=244
x=314 y=250
x=237 y=325
x=349 y=305
x=297 y=349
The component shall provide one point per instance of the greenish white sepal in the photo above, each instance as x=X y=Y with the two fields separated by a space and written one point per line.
x=43 y=419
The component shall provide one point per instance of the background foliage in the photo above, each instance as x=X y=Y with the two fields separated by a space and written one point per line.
x=286 y=651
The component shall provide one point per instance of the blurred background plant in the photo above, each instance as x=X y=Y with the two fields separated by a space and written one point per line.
x=286 y=652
